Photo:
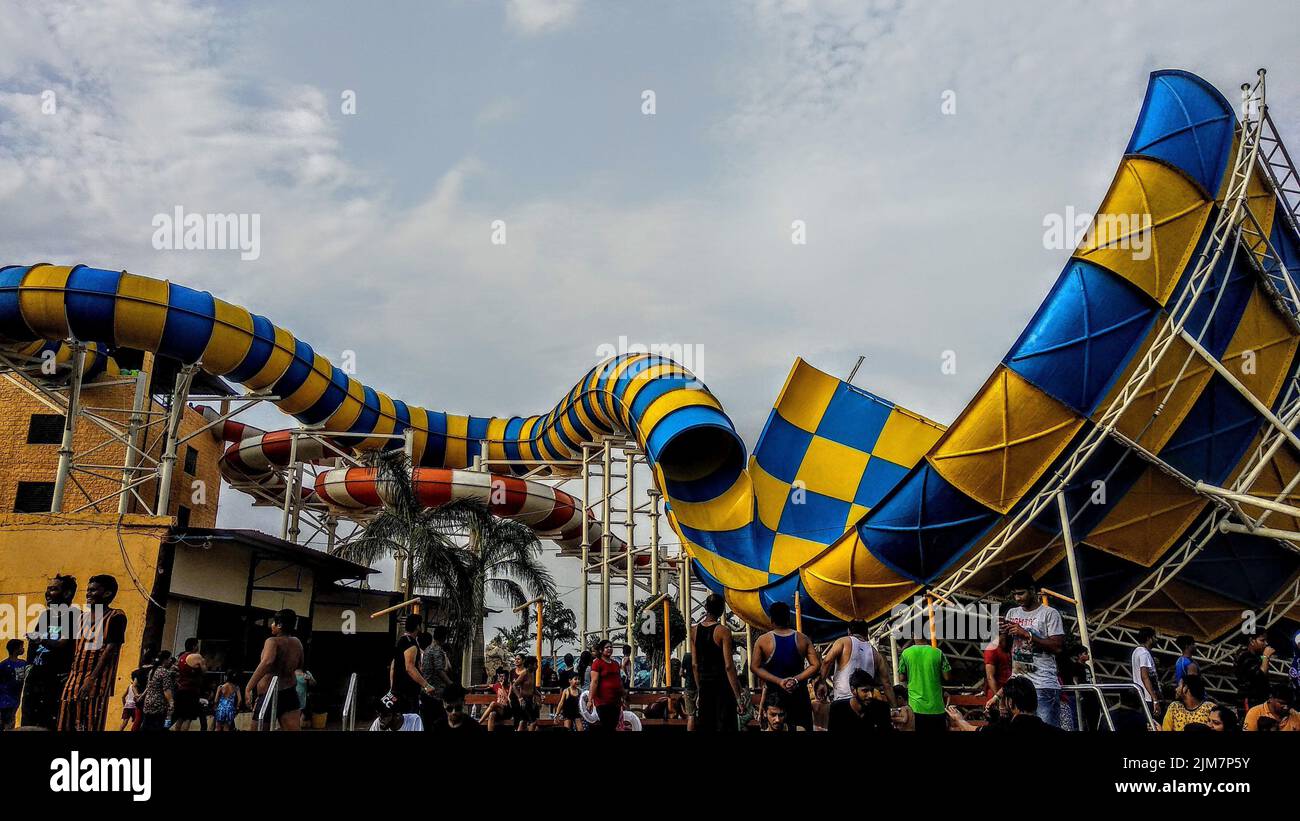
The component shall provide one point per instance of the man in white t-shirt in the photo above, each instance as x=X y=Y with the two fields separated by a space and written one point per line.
x=392 y=720
x=1037 y=635
x=1144 y=669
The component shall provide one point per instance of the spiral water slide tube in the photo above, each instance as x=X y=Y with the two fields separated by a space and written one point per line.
x=849 y=502
x=255 y=461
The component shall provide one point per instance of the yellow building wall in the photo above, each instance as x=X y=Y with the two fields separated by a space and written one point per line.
x=33 y=547
x=21 y=462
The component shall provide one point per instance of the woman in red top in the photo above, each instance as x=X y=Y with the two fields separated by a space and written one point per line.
x=606 y=688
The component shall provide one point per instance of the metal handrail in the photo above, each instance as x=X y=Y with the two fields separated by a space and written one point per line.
x=1100 y=690
x=271 y=700
x=349 y=717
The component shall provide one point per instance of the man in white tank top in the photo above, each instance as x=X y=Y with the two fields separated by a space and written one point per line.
x=853 y=652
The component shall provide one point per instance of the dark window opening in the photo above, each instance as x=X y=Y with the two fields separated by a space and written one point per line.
x=182 y=516
x=45 y=429
x=191 y=460
x=34 y=497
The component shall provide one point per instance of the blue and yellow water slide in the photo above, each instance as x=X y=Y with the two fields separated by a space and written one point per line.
x=850 y=501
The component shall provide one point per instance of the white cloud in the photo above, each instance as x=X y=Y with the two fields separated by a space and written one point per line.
x=540 y=16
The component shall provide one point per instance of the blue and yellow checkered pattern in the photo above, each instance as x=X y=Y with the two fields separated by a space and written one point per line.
x=828 y=454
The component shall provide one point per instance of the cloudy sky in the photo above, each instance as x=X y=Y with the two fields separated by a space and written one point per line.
x=924 y=228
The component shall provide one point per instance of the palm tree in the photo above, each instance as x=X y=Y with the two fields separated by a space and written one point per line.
x=504 y=559
x=405 y=529
x=559 y=625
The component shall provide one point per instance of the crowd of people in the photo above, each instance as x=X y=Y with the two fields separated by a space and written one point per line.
x=63 y=675
x=62 y=678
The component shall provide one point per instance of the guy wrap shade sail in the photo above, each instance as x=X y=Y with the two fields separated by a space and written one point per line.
x=848 y=500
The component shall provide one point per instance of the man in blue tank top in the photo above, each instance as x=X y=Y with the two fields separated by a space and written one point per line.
x=785 y=658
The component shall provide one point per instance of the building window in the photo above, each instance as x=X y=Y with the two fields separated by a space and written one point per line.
x=34 y=497
x=45 y=429
x=191 y=460
x=182 y=516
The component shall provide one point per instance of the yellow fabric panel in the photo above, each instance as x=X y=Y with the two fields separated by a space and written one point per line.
x=1177 y=212
x=349 y=410
x=140 y=312
x=770 y=495
x=41 y=300
x=1263 y=333
x=32 y=348
x=789 y=553
x=419 y=432
x=832 y=469
x=1262 y=203
x=1179 y=608
x=853 y=584
x=1276 y=474
x=277 y=363
x=232 y=336
x=806 y=394
x=457 y=453
x=311 y=389
x=1136 y=422
x=1028 y=551
x=669 y=402
x=732 y=509
x=731 y=574
x=1149 y=518
x=1005 y=439
x=856 y=512
x=749 y=608
x=496 y=438
x=906 y=437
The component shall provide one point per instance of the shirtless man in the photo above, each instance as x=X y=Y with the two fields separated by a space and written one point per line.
x=524 y=690
x=281 y=655
x=785 y=658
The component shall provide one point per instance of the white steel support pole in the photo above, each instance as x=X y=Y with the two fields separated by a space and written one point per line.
x=605 y=536
x=688 y=606
x=586 y=546
x=893 y=655
x=167 y=464
x=69 y=428
x=655 y=586
x=749 y=656
x=1080 y=614
x=132 y=437
x=296 y=511
x=629 y=567
x=289 y=481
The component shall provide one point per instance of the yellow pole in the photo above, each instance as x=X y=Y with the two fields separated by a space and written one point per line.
x=539 y=643
x=929 y=606
x=798 y=613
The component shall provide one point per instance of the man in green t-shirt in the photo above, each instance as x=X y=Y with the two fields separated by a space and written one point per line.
x=925 y=669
